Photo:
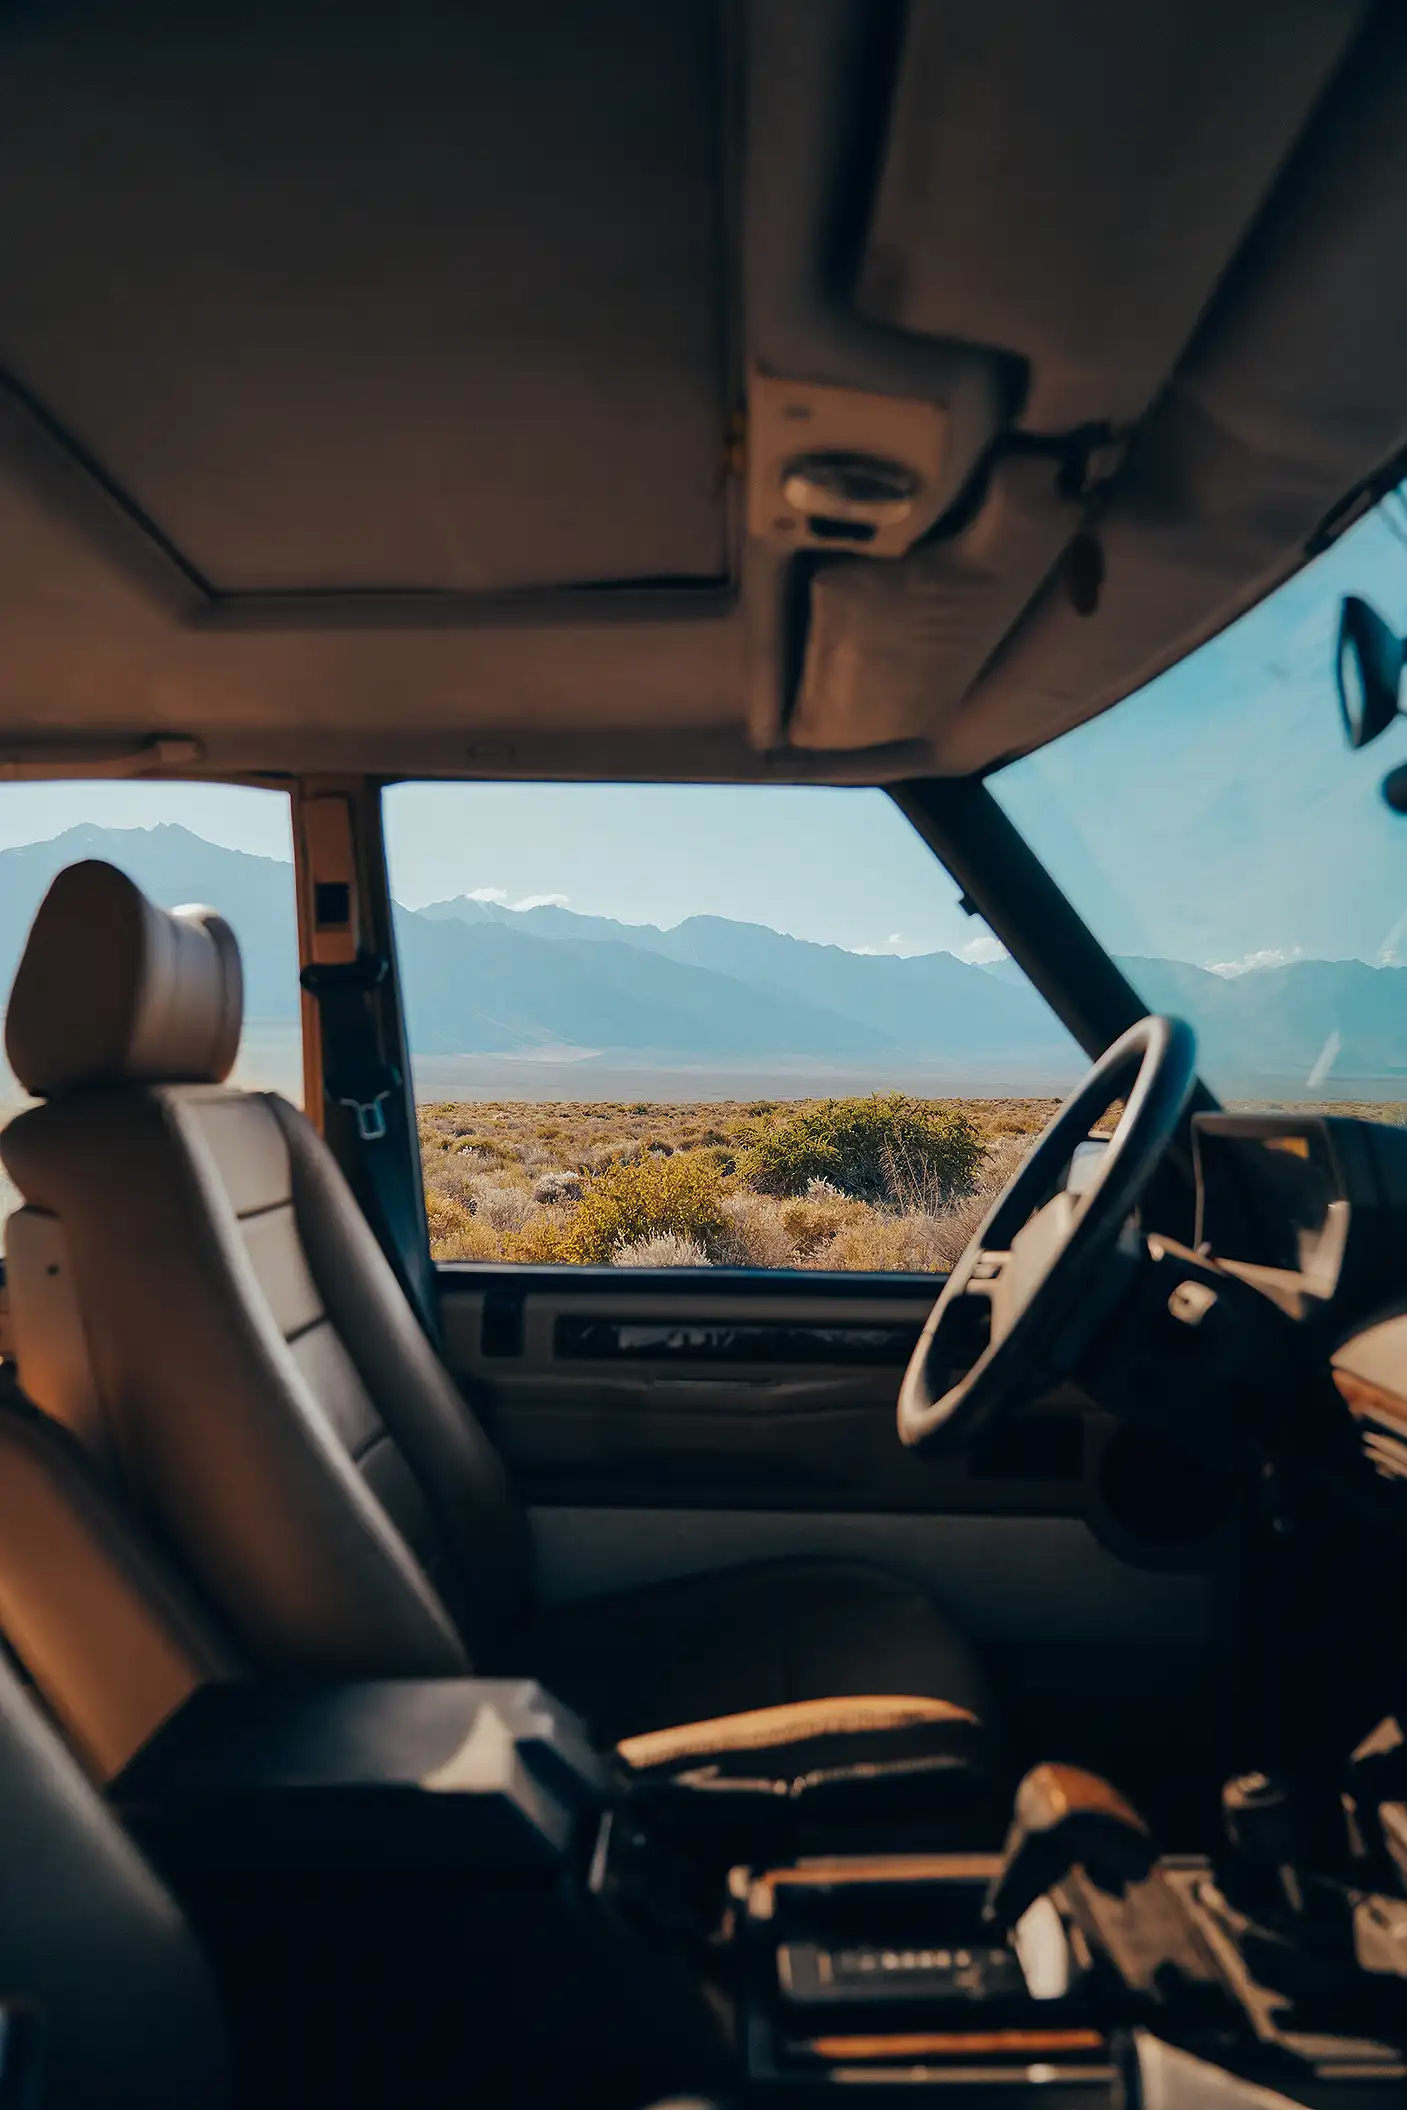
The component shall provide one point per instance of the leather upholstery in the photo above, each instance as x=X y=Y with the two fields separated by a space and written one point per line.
x=770 y=1634
x=224 y=1323
x=88 y=1936
x=47 y=1332
x=248 y=1374
x=112 y=989
x=109 y=1635
x=773 y=1728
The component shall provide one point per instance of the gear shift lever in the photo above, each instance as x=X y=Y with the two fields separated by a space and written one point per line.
x=1261 y=1872
x=1065 y=1816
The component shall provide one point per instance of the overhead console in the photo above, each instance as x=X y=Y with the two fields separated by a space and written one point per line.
x=1306 y=1207
x=996 y=234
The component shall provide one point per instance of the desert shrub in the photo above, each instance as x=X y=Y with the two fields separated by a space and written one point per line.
x=489 y=1150
x=811 y=1224
x=447 y=1219
x=913 y=1241
x=874 y=1149
x=506 y=1208
x=475 y=1241
x=558 y=1187
x=456 y=1178
x=755 y=1235
x=542 y=1238
x=664 y=1249
x=625 y=1203
x=723 y=1155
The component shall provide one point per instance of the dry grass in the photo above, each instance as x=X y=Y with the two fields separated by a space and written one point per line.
x=657 y=1185
x=668 y=1186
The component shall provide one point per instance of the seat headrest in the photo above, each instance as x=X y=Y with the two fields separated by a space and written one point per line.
x=113 y=990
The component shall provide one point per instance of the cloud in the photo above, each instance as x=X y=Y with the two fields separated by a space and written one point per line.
x=983 y=950
x=1254 y=962
x=498 y=894
x=542 y=901
x=895 y=942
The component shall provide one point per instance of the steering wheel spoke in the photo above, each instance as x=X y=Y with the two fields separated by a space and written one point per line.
x=1010 y=1307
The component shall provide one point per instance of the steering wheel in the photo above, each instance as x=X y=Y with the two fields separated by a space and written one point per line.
x=1008 y=1318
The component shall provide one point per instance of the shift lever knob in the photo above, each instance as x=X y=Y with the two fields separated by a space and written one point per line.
x=1263 y=1832
x=1064 y=1817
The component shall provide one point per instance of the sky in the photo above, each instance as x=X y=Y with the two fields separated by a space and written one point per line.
x=1219 y=815
x=1216 y=817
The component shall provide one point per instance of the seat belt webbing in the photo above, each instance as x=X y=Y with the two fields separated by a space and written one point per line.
x=357 y=1079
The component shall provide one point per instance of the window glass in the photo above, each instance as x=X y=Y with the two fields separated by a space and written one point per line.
x=678 y=1026
x=1220 y=839
x=228 y=846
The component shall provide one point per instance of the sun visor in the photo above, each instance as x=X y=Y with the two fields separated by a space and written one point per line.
x=1290 y=398
x=890 y=648
x=1070 y=182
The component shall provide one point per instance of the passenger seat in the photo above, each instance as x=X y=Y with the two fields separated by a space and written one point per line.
x=125 y=2014
x=197 y=1299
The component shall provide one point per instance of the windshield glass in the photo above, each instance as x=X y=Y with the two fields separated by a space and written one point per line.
x=1221 y=840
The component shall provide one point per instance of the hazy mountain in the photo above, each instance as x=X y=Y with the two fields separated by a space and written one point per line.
x=172 y=866
x=482 y=988
x=484 y=979
x=1338 y=1015
x=926 y=1006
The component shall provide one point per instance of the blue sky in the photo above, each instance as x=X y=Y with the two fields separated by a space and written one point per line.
x=1217 y=817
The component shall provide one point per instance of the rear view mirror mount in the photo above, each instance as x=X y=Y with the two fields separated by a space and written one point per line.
x=1368 y=666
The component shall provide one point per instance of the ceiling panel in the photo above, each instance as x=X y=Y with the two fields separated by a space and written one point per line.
x=423 y=297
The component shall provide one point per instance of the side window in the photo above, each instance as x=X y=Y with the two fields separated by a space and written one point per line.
x=681 y=1026
x=229 y=846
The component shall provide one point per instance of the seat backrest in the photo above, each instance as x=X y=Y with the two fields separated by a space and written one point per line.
x=249 y=1370
x=109 y=1634
x=126 y=2015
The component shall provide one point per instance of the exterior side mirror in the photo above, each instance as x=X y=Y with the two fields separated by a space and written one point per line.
x=1368 y=666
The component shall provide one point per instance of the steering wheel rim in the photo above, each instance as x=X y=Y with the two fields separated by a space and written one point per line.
x=1161 y=1055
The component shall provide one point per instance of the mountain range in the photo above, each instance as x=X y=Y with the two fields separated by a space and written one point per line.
x=544 y=983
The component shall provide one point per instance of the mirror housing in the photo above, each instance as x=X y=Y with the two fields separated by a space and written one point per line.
x=1368 y=665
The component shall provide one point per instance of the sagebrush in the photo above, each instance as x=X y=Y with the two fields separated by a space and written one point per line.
x=886 y=1181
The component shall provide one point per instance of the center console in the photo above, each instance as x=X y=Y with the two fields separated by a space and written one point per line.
x=876 y=1970
x=412 y=1891
x=980 y=1975
x=402 y=1888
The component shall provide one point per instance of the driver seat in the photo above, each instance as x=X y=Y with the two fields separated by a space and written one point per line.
x=197 y=1297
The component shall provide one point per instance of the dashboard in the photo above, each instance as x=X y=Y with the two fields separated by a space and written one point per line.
x=1312 y=1210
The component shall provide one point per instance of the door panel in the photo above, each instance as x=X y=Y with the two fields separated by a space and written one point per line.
x=1004 y=1578
x=660 y=1423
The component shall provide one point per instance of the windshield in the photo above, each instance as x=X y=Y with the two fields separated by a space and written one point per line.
x=1221 y=840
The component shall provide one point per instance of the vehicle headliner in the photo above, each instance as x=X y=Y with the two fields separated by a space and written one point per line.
x=375 y=382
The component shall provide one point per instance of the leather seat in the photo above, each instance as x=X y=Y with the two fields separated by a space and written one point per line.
x=126 y=2016
x=197 y=1298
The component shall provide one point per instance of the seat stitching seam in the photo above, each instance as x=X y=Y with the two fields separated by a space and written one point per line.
x=249 y=1216
x=308 y=1326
